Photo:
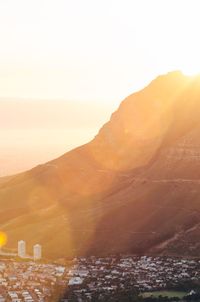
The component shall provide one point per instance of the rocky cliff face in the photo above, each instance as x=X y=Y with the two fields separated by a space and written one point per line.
x=134 y=188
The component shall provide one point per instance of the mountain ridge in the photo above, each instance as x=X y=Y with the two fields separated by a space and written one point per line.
x=133 y=187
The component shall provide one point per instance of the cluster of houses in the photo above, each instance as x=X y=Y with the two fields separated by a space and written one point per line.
x=92 y=277
x=29 y=281
x=83 y=279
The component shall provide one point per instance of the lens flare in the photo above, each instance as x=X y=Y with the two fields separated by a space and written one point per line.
x=3 y=239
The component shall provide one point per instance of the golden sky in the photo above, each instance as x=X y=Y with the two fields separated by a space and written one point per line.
x=34 y=131
x=85 y=52
x=94 y=50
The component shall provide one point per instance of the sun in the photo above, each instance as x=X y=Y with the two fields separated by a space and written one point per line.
x=3 y=239
x=191 y=69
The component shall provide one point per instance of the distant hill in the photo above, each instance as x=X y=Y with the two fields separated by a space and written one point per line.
x=134 y=188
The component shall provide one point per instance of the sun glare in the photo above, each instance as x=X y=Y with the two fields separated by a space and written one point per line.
x=191 y=73
x=191 y=69
x=3 y=239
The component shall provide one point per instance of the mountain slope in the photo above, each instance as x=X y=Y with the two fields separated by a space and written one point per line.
x=134 y=188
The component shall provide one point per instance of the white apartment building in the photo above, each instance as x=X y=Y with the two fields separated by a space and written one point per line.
x=22 y=249
x=37 y=252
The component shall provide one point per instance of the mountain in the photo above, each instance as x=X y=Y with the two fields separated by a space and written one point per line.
x=135 y=188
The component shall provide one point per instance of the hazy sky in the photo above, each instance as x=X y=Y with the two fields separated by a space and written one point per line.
x=96 y=50
x=91 y=53
x=33 y=131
